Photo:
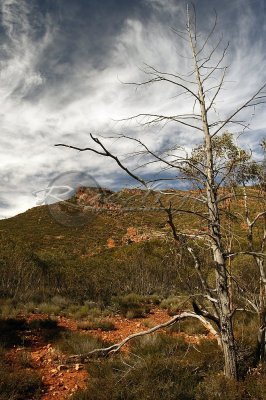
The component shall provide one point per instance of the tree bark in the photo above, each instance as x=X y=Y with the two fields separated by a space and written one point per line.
x=222 y=285
x=227 y=336
x=259 y=262
x=261 y=339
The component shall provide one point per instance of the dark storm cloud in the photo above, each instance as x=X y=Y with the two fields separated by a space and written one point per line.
x=61 y=66
x=85 y=32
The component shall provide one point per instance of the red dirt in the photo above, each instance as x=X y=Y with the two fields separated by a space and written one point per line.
x=61 y=379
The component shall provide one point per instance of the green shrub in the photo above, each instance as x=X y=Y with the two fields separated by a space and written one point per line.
x=190 y=327
x=103 y=325
x=153 y=299
x=29 y=307
x=149 y=324
x=174 y=304
x=246 y=328
x=71 y=309
x=77 y=343
x=91 y=304
x=19 y=385
x=158 y=345
x=95 y=312
x=217 y=387
x=133 y=306
x=138 y=312
x=49 y=308
x=8 y=311
x=172 y=301
x=24 y=359
x=60 y=301
x=206 y=356
x=152 y=370
x=147 y=379
x=87 y=310
x=81 y=312
x=255 y=385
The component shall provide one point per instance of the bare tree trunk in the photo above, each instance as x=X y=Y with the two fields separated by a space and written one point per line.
x=222 y=285
x=261 y=339
x=259 y=262
x=227 y=336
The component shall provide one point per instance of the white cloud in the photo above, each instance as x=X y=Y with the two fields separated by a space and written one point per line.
x=169 y=6
x=91 y=97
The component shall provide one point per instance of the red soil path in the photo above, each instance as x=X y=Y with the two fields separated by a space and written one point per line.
x=61 y=379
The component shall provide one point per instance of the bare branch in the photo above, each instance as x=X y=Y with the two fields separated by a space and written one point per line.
x=160 y=73
x=104 y=352
x=257 y=217
x=216 y=67
x=209 y=35
x=204 y=284
x=163 y=79
x=239 y=109
x=250 y=253
x=159 y=118
x=201 y=311
x=158 y=158
x=217 y=91
x=106 y=153
x=180 y=34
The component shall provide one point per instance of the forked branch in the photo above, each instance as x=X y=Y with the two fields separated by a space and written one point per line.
x=105 y=153
x=115 y=348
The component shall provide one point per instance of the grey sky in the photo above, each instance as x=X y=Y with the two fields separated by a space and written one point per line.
x=62 y=63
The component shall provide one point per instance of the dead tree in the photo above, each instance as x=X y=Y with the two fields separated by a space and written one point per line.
x=257 y=251
x=255 y=221
x=204 y=202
